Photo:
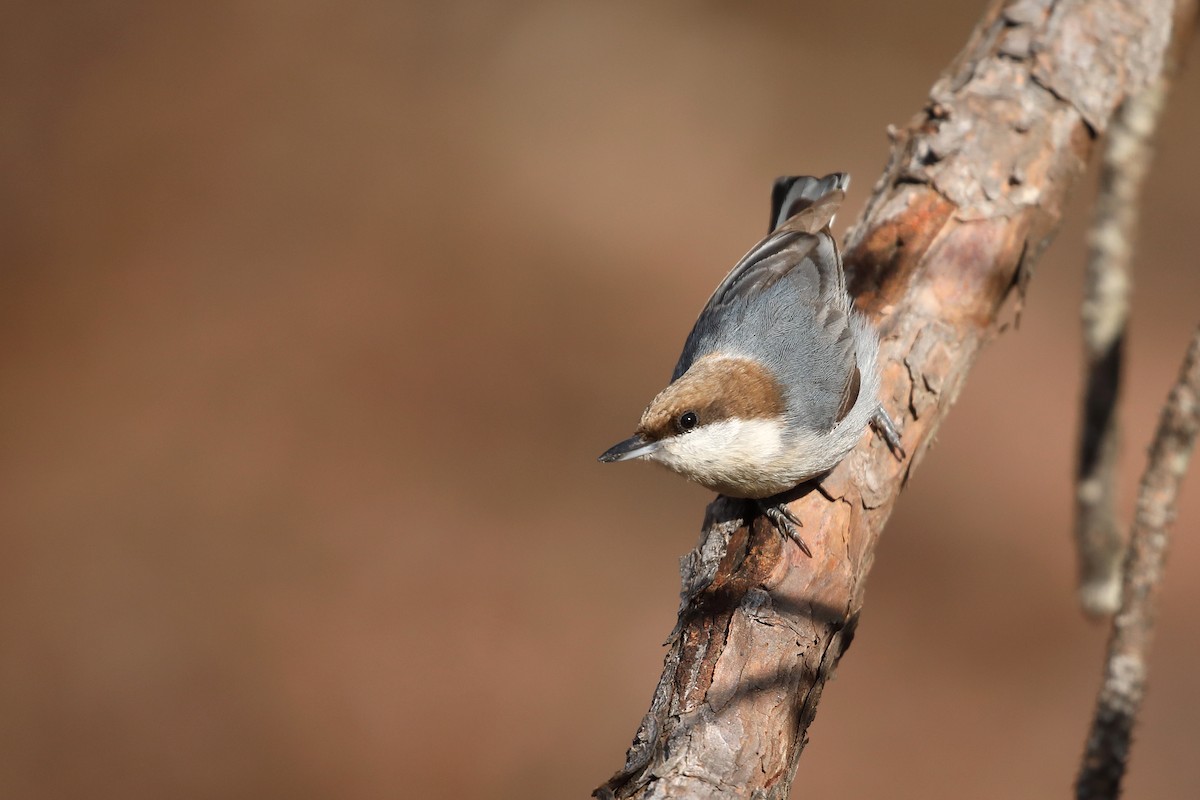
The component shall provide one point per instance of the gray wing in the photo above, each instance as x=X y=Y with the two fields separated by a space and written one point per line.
x=785 y=302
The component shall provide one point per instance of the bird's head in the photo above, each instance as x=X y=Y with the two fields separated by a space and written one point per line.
x=720 y=424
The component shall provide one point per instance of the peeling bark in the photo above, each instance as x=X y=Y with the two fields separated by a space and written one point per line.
x=974 y=189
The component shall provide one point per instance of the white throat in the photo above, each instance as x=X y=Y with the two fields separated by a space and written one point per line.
x=736 y=457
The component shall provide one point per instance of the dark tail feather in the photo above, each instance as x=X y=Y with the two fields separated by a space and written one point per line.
x=792 y=194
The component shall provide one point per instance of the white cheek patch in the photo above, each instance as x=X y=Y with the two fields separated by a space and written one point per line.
x=726 y=454
x=730 y=438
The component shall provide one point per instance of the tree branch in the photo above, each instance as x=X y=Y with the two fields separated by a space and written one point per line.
x=1125 y=669
x=1128 y=155
x=974 y=188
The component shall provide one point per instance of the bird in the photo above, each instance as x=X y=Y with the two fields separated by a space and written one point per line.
x=779 y=377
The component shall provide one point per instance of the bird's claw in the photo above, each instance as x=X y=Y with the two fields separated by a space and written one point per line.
x=784 y=521
x=883 y=425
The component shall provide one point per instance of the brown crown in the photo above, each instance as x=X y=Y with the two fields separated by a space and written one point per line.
x=716 y=387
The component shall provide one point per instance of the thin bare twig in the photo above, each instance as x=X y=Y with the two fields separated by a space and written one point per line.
x=1125 y=670
x=1128 y=154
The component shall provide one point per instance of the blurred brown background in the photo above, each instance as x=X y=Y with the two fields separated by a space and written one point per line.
x=315 y=316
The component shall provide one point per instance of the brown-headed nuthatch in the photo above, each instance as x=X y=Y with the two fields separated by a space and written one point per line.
x=778 y=379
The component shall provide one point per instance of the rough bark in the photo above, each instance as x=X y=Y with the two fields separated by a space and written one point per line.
x=1125 y=668
x=974 y=188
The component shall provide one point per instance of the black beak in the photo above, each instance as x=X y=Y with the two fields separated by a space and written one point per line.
x=633 y=447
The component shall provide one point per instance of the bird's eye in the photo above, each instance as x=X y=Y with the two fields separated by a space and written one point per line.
x=687 y=420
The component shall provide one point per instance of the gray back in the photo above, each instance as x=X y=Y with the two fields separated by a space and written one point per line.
x=785 y=305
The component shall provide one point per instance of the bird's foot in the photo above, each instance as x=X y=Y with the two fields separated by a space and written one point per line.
x=785 y=521
x=883 y=425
